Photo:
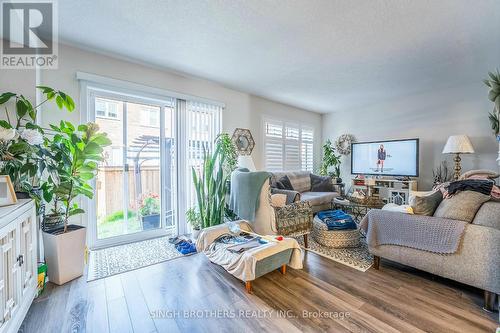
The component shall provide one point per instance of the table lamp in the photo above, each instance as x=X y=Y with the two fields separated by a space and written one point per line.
x=458 y=144
x=246 y=161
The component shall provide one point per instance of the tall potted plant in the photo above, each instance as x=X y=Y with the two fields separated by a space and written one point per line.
x=211 y=188
x=76 y=152
x=330 y=160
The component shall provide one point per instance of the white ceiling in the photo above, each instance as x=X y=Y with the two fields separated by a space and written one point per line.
x=321 y=55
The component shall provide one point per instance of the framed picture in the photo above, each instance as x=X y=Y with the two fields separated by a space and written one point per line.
x=7 y=193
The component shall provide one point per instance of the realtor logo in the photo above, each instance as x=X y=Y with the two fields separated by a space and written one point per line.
x=29 y=31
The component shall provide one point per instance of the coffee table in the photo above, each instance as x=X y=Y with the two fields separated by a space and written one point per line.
x=356 y=210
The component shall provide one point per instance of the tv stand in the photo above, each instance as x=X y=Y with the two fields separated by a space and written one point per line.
x=389 y=190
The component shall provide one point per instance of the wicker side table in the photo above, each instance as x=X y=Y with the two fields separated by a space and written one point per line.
x=334 y=238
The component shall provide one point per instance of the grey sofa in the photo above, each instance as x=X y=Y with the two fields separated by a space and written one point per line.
x=301 y=182
x=476 y=263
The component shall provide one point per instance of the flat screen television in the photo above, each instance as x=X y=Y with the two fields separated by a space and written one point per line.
x=385 y=158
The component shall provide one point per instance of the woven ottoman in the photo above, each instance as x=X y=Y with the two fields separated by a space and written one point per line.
x=334 y=238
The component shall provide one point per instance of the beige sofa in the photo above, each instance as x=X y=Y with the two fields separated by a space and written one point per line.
x=301 y=182
x=476 y=263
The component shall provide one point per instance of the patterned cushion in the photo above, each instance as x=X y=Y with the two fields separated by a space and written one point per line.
x=425 y=203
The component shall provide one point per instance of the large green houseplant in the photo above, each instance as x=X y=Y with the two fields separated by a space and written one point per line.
x=330 y=160
x=211 y=188
x=76 y=152
x=23 y=152
x=211 y=182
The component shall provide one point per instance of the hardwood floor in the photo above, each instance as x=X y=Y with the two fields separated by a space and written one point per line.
x=152 y=299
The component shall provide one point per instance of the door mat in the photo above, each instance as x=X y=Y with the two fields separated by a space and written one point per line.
x=128 y=257
x=356 y=257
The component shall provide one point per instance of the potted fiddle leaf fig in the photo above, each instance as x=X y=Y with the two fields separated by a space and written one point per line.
x=76 y=153
x=22 y=142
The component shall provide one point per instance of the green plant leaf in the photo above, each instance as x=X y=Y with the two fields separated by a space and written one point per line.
x=21 y=108
x=5 y=124
x=59 y=101
x=5 y=97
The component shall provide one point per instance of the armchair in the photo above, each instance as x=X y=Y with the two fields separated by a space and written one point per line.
x=292 y=220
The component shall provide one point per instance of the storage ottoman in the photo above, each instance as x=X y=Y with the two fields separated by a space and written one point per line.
x=334 y=238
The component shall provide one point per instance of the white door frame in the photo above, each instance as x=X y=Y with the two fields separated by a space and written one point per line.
x=88 y=92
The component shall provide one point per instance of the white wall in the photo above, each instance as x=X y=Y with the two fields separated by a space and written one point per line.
x=242 y=110
x=21 y=81
x=432 y=116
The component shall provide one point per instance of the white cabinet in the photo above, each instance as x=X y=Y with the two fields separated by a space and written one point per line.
x=18 y=263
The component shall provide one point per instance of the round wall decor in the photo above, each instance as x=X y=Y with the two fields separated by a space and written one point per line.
x=343 y=144
x=243 y=140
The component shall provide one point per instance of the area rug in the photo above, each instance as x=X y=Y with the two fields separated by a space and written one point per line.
x=128 y=257
x=356 y=257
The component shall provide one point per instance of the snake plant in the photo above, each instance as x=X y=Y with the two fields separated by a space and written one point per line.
x=211 y=188
x=493 y=82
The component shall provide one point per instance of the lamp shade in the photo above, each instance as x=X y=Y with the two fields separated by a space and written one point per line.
x=458 y=144
x=246 y=161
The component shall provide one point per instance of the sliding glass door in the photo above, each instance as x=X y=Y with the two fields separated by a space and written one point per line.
x=135 y=187
x=144 y=184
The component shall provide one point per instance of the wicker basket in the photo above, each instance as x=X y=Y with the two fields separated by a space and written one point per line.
x=367 y=201
x=334 y=238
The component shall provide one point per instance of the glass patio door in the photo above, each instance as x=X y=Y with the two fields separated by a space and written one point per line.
x=135 y=197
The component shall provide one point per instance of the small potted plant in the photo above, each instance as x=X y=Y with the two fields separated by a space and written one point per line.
x=194 y=219
x=149 y=210
x=75 y=152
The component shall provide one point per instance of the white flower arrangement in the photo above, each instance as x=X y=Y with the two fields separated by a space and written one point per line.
x=7 y=134
x=32 y=137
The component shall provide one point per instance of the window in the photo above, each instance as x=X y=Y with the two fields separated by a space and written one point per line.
x=105 y=108
x=150 y=116
x=288 y=146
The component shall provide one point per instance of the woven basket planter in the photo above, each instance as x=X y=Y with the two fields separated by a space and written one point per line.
x=334 y=238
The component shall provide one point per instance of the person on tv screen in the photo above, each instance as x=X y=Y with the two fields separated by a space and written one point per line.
x=381 y=156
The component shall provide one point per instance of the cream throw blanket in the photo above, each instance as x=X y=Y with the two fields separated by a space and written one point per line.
x=242 y=265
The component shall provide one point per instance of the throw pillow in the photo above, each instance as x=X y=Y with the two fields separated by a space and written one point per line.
x=278 y=200
x=392 y=207
x=285 y=182
x=462 y=206
x=425 y=203
x=321 y=183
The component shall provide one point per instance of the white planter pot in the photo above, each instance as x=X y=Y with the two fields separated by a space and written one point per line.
x=64 y=254
x=196 y=233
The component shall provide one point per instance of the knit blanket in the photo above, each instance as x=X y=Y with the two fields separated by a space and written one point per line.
x=420 y=232
x=245 y=192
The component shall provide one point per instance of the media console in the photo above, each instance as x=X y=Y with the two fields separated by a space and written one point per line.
x=389 y=190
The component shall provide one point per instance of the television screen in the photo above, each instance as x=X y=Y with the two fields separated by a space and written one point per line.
x=385 y=158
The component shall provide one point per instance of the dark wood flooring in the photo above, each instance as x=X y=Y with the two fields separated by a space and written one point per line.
x=152 y=299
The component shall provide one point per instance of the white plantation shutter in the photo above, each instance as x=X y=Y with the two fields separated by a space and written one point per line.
x=292 y=147
x=202 y=127
x=307 y=138
x=273 y=146
x=287 y=146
